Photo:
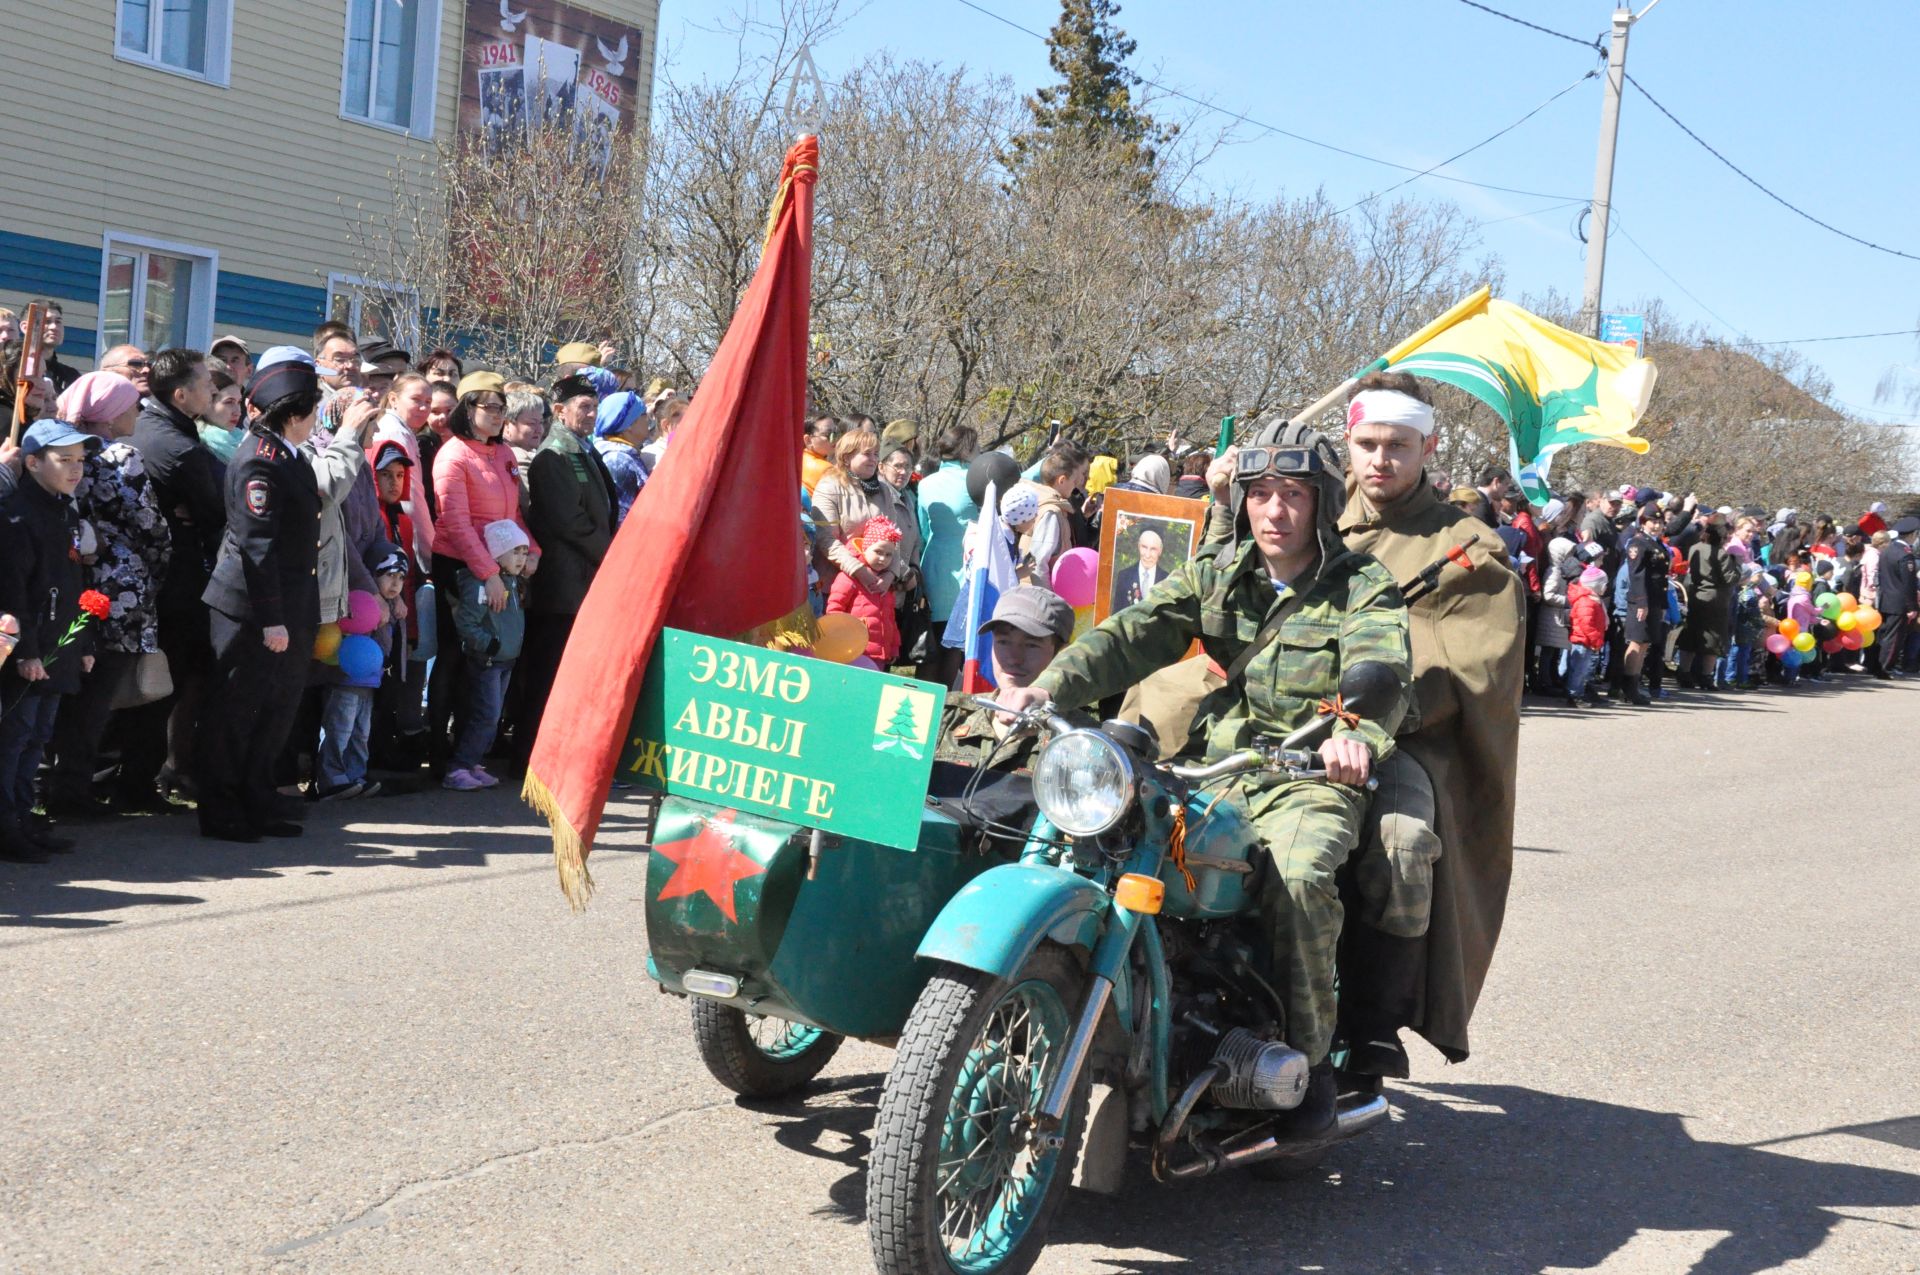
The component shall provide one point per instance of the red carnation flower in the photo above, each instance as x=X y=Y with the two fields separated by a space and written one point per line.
x=95 y=604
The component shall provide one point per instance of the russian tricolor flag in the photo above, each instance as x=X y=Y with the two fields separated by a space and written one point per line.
x=989 y=573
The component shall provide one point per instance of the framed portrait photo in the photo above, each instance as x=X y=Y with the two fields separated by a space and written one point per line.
x=1144 y=538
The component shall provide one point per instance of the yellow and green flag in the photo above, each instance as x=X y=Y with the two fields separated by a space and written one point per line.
x=1553 y=388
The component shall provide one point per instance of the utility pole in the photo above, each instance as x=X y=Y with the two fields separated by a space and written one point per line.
x=1623 y=19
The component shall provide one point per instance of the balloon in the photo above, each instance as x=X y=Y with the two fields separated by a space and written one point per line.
x=843 y=638
x=1803 y=643
x=326 y=644
x=1779 y=644
x=998 y=468
x=363 y=613
x=862 y=662
x=1846 y=621
x=1803 y=579
x=1854 y=641
x=1866 y=638
x=1792 y=659
x=1830 y=607
x=1075 y=575
x=1832 y=646
x=360 y=658
x=1789 y=629
x=1849 y=603
x=1824 y=629
x=1866 y=618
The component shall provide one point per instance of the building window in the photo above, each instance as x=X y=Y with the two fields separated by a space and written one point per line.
x=391 y=58
x=155 y=295
x=375 y=311
x=187 y=36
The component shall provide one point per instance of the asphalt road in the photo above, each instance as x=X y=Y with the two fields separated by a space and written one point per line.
x=388 y=1047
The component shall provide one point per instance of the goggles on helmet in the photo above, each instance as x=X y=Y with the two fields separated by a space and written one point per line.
x=1252 y=463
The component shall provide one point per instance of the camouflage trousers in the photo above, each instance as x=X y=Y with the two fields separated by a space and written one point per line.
x=1310 y=829
x=1393 y=871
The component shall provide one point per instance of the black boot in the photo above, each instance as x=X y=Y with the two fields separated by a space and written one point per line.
x=1380 y=977
x=1315 y=1114
x=39 y=831
x=15 y=848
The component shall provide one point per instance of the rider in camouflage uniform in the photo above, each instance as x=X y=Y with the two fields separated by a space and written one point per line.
x=1334 y=608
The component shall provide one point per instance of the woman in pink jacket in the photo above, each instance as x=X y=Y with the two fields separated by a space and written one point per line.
x=476 y=480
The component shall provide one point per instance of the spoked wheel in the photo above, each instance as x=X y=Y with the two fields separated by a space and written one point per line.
x=756 y=1056
x=961 y=1180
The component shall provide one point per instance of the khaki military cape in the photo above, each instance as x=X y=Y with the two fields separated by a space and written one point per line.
x=1469 y=651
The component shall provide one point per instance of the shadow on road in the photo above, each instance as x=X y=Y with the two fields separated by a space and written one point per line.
x=1477 y=1179
x=1767 y=699
x=406 y=832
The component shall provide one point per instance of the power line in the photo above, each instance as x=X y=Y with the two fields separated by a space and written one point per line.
x=1620 y=225
x=1596 y=44
x=1184 y=96
x=1856 y=336
x=1538 y=212
x=1476 y=146
x=1745 y=341
x=1755 y=183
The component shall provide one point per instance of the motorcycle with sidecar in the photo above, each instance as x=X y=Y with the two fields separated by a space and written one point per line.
x=1069 y=966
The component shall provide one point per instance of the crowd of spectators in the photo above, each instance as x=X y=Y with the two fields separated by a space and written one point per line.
x=1636 y=593
x=175 y=637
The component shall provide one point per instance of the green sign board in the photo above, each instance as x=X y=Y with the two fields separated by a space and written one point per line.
x=822 y=745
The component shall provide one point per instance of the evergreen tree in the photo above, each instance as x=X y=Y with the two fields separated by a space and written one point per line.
x=1093 y=107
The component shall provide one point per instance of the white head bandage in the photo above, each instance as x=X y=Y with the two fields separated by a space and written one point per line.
x=1390 y=407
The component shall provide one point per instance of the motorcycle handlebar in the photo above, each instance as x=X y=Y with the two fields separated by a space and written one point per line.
x=1037 y=716
x=1293 y=763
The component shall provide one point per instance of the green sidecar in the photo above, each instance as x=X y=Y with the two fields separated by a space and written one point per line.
x=789 y=940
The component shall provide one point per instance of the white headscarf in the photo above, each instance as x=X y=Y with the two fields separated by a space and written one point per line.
x=1155 y=473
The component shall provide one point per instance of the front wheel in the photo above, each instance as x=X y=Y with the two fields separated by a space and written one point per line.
x=959 y=1182
x=756 y=1056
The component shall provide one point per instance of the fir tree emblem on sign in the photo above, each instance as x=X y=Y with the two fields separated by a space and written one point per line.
x=904 y=722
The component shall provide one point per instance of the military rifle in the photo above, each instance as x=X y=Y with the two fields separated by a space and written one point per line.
x=1427 y=579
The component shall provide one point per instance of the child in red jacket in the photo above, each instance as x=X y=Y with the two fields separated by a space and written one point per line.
x=1587 y=623
x=877 y=544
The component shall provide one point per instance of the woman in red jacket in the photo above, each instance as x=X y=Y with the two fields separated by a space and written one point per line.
x=476 y=480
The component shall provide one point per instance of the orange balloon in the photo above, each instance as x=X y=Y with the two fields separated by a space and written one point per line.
x=843 y=638
x=1849 y=603
x=1866 y=618
x=1789 y=629
x=326 y=644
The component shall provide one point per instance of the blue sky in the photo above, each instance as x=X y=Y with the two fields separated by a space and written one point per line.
x=1816 y=101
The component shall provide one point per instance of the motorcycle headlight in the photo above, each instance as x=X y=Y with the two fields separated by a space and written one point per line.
x=1083 y=782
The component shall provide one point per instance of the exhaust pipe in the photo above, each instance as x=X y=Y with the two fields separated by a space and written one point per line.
x=1353 y=1116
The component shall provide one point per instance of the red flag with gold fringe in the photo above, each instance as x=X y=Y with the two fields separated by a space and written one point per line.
x=712 y=544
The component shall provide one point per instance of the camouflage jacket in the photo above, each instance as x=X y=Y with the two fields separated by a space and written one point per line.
x=967 y=736
x=1351 y=611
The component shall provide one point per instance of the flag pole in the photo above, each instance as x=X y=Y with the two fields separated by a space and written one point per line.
x=1475 y=302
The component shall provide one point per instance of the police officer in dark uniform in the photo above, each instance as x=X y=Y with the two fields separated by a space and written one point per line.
x=265 y=608
x=1646 y=563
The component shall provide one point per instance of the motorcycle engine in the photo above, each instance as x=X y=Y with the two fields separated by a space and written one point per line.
x=1260 y=1075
